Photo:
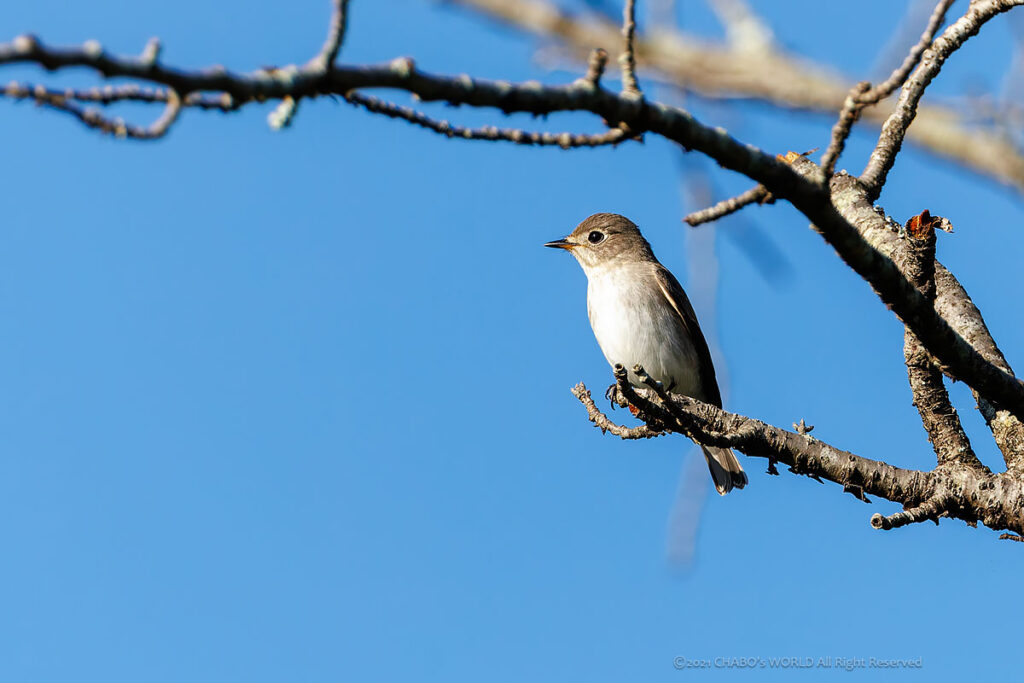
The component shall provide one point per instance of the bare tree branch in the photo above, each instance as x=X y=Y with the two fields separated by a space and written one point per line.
x=913 y=58
x=964 y=493
x=605 y=424
x=285 y=112
x=863 y=95
x=335 y=36
x=806 y=192
x=855 y=215
x=564 y=140
x=628 y=57
x=595 y=66
x=715 y=70
x=944 y=330
x=939 y=417
x=895 y=129
x=755 y=195
x=110 y=95
x=852 y=108
x=93 y=118
x=932 y=509
x=951 y=302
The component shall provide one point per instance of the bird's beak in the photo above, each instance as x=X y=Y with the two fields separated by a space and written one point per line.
x=560 y=244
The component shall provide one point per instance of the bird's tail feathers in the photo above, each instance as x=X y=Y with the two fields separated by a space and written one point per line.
x=725 y=469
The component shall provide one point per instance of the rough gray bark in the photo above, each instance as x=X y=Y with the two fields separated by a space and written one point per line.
x=939 y=417
x=967 y=493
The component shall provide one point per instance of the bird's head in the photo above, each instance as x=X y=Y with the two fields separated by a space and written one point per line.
x=605 y=239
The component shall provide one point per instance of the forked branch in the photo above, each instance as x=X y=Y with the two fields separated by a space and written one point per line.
x=964 y=493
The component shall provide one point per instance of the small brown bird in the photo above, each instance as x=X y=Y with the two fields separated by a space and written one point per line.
x=641 y=315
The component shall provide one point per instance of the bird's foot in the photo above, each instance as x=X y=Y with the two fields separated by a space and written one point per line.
x=612 y=393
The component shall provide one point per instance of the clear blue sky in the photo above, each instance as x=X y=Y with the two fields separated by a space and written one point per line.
x=295 y=406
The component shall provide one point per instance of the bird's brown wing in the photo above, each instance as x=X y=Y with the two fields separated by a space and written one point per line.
x=675 y=295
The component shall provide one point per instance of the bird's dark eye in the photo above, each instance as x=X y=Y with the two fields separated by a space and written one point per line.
x=595 y=237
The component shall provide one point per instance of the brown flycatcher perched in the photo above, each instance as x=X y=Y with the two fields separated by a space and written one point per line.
x=641 y=316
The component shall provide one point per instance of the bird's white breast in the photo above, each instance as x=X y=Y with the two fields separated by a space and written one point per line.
x=634 y=323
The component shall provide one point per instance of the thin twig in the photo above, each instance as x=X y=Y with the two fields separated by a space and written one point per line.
x=722 y=70
x=170 y=114
x=595 y=67
x=111 y=95
x=285 y=112
x=94 y=119
x=652 y=383
x=605 y=424
x=807 y=193
x=863 y=95
x=335 y=36
x=613 y=136
x=628 y=57
x=755 y=195
x=895 y=129
x=932 y=509
x=913 y=58
x=647 y=409
x=843 y=126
